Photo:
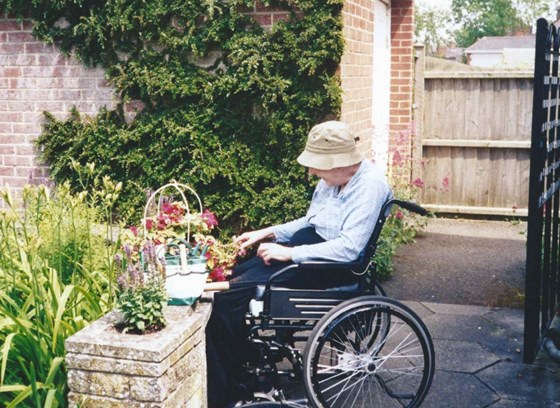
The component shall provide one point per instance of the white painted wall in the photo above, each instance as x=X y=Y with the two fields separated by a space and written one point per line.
x=510 y=58
x=486 y=59
x=381 y=83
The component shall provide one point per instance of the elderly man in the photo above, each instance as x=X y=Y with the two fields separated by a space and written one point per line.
x=340 y=219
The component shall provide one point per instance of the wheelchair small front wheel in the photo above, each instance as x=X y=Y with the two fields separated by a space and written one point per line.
x=369 y=351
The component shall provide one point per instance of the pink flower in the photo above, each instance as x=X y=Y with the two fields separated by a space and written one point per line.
x=418 y=183
x=445 y=182
x=399 y=214
x=210 y=219
x=134 y=230
x=167 y=208
x=397 y=158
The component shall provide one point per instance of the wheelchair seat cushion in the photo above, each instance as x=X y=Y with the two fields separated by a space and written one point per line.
x=352 y=287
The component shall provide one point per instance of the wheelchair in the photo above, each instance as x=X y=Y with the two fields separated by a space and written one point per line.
x=352 y=345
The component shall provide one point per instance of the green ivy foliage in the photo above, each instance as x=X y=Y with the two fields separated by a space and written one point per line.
x=228 y=104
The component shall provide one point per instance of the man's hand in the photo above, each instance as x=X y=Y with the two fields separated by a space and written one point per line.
x=270 y=251
x=249 y=238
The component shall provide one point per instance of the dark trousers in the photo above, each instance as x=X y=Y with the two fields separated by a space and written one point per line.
x=226 y=333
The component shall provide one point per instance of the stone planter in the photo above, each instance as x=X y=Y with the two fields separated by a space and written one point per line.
x=163 y=369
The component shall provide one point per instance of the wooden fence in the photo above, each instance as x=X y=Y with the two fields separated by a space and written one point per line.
x=473 y=140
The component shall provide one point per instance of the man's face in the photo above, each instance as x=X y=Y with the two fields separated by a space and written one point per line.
x=333 y=177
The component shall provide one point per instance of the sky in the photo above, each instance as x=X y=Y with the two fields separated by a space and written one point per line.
x=439 y=3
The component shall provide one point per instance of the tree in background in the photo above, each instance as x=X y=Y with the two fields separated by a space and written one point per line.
x=434 y=27
x=480 y=18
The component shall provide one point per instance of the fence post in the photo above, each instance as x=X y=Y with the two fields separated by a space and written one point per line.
x=418 y=111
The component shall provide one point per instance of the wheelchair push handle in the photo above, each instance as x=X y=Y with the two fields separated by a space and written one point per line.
x=410 y=206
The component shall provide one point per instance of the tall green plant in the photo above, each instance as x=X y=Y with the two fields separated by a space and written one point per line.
x=402 y=225
x=56 y=276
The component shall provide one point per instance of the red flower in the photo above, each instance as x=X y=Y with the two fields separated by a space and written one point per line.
x=399 y=214
x=161 y=222
x=218 y=274
x=134 y=230
x=149 y=225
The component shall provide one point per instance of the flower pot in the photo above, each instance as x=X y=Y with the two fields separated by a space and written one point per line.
x=185 y=283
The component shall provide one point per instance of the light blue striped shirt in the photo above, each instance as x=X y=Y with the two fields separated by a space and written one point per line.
x=345 y=220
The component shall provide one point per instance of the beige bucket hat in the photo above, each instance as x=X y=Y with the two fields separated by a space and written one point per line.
x=330 y=144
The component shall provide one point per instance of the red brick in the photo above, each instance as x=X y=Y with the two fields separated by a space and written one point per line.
x=26 y=128
x=15 y=181
x=17 y=160
x=260 y=7
x=51 y=59
x=9 y=25
x=263 y=19
x=38 y=48
x=11 y=117
x=20 y=36
x=28 y=150
x=6 y=170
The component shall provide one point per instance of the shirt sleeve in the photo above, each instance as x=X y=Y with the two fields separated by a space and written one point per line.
x=283 y=232
x=363 y=211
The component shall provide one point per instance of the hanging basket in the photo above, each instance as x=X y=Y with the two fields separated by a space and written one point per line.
x=185 y=267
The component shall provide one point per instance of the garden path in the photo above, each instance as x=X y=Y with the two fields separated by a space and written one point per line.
x=460 y=261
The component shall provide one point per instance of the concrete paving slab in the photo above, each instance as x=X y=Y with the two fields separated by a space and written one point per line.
x=452 y=327
x=420 y=309
x=462 y=356
x=519 y=404
x=522 y=382
x=509 y=319
x=476 y=328
x=457 y=390
x=516 y=230
x=451 y=309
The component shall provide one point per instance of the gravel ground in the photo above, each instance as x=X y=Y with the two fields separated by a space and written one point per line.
x=468 y=262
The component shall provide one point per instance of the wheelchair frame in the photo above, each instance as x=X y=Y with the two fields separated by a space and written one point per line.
x=360 y=348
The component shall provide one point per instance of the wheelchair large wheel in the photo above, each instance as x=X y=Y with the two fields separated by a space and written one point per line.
x=369 y=352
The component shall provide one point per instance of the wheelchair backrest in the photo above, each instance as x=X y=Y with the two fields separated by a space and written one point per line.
x=372 y=243
x=383 y=215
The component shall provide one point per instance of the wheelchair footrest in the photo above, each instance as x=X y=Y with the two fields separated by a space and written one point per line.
x=256 y=307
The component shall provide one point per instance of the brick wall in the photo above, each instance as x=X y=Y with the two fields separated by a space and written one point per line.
x=37 y=77
x=402 y=74
x=356 y=69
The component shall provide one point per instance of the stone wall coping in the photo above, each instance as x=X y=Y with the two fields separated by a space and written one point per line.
x=103 y=340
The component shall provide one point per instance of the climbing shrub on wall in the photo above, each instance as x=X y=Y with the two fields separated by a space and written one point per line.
x=227 y=103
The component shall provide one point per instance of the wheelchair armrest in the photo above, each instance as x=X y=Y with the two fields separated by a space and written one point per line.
x=410 y=206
